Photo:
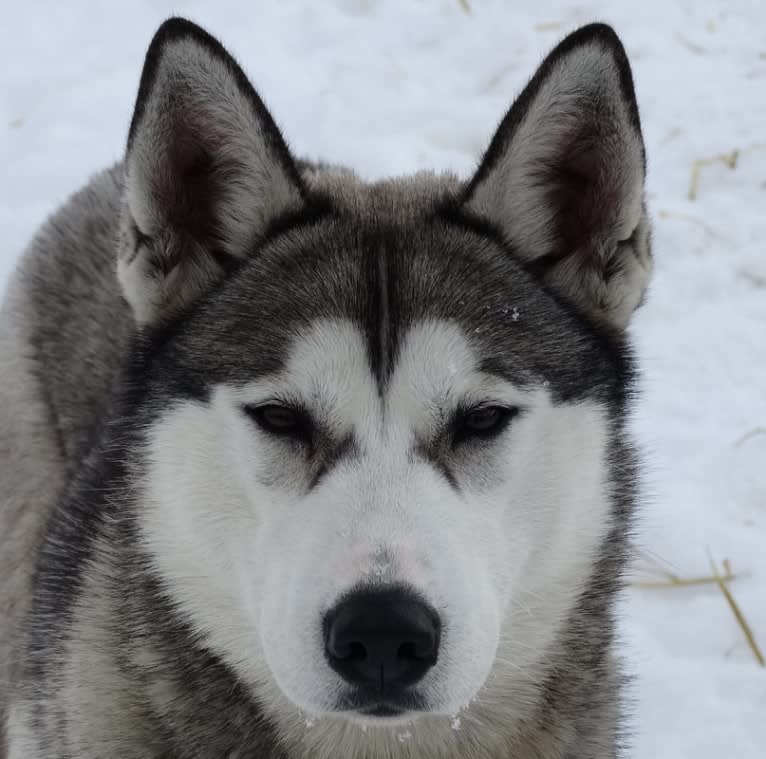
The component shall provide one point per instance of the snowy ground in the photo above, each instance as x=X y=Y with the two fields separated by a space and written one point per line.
x=390 y=87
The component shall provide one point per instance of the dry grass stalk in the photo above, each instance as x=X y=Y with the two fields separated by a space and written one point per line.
x=681 y=582
x=671 y=579
x=465 y=6
x=734 y=606
x=729 y=159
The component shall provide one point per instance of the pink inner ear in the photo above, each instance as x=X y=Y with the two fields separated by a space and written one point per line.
x=584 y=194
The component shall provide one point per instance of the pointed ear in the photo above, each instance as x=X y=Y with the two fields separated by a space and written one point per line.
x=206 y=168
x=563 y=178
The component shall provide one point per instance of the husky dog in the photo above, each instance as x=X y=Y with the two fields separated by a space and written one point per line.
x=300 y=467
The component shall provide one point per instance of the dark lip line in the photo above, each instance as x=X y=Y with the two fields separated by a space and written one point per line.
x=381 y=710
x=368 y=705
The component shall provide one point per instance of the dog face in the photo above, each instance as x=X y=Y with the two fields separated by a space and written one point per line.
x=276 y=501
x=376 y=469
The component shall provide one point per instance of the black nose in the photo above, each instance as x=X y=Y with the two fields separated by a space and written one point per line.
x=383 y=640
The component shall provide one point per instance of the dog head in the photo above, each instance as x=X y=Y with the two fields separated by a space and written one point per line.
x=381 y=420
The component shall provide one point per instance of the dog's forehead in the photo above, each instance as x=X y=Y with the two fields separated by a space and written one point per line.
x=386 y=259
x=327 y=364
x=388 y=279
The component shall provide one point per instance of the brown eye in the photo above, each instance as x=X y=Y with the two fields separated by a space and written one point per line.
x=278 y=419
x=483 y=422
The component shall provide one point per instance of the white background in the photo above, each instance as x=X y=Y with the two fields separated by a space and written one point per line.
x=391 y=87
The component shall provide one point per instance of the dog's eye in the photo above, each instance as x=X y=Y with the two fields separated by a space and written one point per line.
x=483 y=421
x=279 y=419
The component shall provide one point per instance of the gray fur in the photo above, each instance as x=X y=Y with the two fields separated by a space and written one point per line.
x=57 y=380
x=201 y=173
x=595 y=233
x=96 y=659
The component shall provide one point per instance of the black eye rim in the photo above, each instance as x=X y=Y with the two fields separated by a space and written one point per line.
x=296 y=423
x=465 y=427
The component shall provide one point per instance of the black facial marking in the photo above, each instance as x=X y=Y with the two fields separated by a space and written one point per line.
x=436 y=456
x=328 y=454
x=381 y=319
x=384 y=325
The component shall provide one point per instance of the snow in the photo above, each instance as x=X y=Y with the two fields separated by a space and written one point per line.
x=391 y=87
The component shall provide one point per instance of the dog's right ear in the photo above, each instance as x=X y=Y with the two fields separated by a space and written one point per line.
x=207 y=171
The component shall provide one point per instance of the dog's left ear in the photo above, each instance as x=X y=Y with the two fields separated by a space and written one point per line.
x=563 y=178
x=206 y=173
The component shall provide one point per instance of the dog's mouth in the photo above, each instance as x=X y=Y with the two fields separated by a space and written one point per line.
x=390 y=707
x=381 y=711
